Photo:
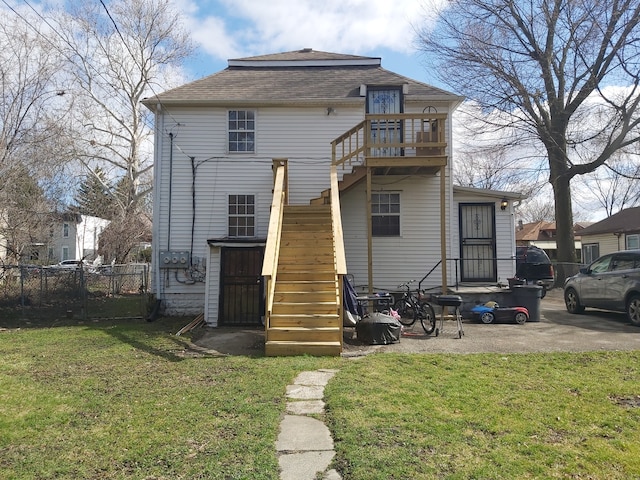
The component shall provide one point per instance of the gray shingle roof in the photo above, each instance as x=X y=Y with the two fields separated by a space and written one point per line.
x=625 y=221
x=339 y=80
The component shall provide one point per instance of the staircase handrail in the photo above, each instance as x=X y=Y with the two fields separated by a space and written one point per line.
x=272 y=247
x=338 y=241
x=428 y=273
x=336 y=222
x=350 y=151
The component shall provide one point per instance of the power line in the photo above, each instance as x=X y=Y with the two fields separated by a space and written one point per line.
x=88 y=64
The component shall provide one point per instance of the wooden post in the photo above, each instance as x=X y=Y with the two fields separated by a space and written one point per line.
x=277 y=162
x=369 y=233
x=443 y=228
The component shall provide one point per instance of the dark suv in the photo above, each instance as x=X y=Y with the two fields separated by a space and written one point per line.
x=534 y=267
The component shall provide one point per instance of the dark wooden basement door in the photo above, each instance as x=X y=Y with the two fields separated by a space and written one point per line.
x=241 y=286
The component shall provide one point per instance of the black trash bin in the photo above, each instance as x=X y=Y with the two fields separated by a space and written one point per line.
x=527 y=296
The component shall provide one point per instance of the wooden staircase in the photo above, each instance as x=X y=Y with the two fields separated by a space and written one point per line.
x=348 y=181
x=305 y=318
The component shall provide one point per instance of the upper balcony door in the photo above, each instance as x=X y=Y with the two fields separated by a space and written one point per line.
x=385 y=101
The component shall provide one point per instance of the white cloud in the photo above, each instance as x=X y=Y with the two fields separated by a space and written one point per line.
x=233 y=28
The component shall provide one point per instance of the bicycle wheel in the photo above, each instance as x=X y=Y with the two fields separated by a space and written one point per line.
x=406 y=312
x=427 y=318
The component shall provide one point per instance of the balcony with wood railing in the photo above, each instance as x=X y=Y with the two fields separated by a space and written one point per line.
x=394 y=144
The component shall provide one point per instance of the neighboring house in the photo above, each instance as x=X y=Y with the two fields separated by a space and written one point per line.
x=282 y=173
x=62 y=241
x=620 y=231
x=71 y=237
x=543 y=234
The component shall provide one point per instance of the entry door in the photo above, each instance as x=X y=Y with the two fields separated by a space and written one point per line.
x=477 y=242
x=241 y=286
x=385 y=101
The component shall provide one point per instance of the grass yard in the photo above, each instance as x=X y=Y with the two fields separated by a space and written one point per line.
x=130 y=400
x=542 y=416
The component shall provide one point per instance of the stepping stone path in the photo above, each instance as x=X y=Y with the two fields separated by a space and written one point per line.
x=304 y=445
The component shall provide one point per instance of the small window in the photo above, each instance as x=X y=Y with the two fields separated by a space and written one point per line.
x=633 y=242
x=242 y=215
x=65 y=230
x=590 y=252
x=65 y=253
x=242 y=131
x=385 y=214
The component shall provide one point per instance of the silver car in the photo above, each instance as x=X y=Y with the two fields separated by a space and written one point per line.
x=612 y=282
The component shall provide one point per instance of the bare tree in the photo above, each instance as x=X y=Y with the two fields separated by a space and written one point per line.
x=561 y=72
x=118 y=53
x=484 y=160
x=617 y=186
x=536 y=209
x=31 y=145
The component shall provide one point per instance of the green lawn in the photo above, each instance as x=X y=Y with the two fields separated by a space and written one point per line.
x=130 y=400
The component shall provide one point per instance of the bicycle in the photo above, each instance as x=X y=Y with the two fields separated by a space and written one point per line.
x=411 y=307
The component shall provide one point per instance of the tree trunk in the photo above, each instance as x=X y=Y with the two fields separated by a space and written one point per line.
x=561 y=183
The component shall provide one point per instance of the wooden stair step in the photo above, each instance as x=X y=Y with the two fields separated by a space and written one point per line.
x=315 y=276
x=306 y=208
x=304 y=334
x=308 y=297
x=304 y=320
x=286 y=348
x=310 y=269
x=306 y=286
x=308 y=246
x=300 y=308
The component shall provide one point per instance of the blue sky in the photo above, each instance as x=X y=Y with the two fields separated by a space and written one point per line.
x=224 y=29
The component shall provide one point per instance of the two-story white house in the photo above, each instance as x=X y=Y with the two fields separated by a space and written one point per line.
x=282 y=173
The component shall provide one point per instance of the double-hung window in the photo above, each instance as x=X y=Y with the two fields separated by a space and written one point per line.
x=590 y=251
x=385 y=214
x=242 y=215
x=633 y=242
x=242 y=131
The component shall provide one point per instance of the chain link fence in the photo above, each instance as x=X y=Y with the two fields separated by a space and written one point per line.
x=34 y=292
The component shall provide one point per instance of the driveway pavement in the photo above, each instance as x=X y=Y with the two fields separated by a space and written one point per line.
x=557 y=331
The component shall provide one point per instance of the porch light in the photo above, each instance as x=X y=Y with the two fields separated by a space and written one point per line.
x=504 y=203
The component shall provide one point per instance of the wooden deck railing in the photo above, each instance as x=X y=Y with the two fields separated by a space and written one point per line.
x=272 y=247
x=391 y=135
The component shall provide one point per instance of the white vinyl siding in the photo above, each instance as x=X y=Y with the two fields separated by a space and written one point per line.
x=396 y=259
x=303 y=136
x=607 y=243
